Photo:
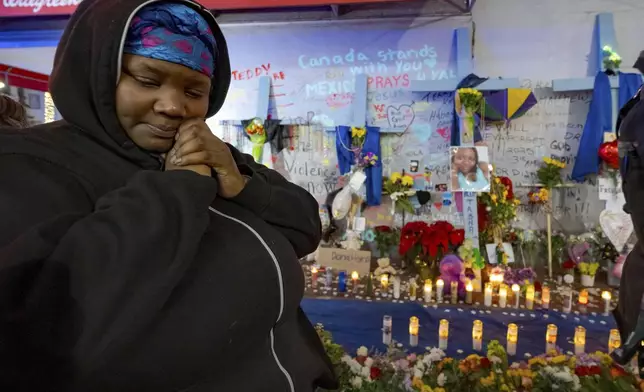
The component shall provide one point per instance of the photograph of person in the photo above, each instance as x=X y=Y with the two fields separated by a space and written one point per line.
x=470 y=169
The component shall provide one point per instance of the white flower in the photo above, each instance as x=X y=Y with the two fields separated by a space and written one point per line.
x=363 y=351
x=418 y=373
x=563 y=375
x=346 y=359
x=368 y=362
x=366 y=372
x=441 y=379
x=576 y=383
x=356 y=382
x=495 y=359
x=568 y=278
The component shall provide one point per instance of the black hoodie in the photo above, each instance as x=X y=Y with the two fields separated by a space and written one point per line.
x=118 y=276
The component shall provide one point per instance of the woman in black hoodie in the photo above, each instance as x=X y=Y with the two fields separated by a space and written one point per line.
x=138 y=252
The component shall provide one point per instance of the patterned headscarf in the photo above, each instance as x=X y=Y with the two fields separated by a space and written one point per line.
x=173 y=32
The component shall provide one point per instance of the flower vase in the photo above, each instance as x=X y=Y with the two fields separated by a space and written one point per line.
x=467 y=125
x=588 y=280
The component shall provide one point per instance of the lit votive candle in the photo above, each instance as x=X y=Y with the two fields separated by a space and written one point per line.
x=477 y=335
x=614 y=340
x=529 y=297
x=413 y=288
x=503 y=296
x=427 y=291
x=443 y=334
x=386 y=330
x=396 y=287
x=454 y=292
x=496 y=279
x=413 y=331
x=551 y=337
x=487 y=299
x=545 y=297
x=606 y=296
x=512 y=339
x=314 y=276
x=516 y=292
x=580 y=340
x=384 y=284
x=583 y=301
x=440 y=285
x=355 y=278
x=468 y=292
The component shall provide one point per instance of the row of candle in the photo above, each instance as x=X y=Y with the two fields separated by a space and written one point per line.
x=488 y=292
x=512 y=337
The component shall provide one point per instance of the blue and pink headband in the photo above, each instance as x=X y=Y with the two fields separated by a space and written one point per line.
x=173 y=32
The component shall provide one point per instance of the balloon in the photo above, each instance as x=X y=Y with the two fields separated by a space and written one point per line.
x=578 y=252
x=609 y=154
x=341 y=204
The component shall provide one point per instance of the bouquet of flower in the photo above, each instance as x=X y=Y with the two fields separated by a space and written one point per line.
x=369 y=159
x=399 y=188
x=500 y=208
x=540 y=196
x=358 y=136
x=588 y=268
x=549 y=174
x=425 y=244
x=433 y=371
x=520 y=276
x=386 y=237
x=468 y=102
x=257 y=134
x=612 y=60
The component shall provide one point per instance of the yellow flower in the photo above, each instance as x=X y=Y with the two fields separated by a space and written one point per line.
x=447 y=360
x=505 y=388
x=493 y=197
x=559 y=359
x=537 y=361
x=487 y=381
x=547 y=160
x=395 y=177
x=417 y=383
x=427 y=388
x=497 y=180
x=517 y=202
x=505 y=194
x=358 y=132
x=408 y=180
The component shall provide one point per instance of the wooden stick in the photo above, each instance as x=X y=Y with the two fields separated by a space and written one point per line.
x=549 y=229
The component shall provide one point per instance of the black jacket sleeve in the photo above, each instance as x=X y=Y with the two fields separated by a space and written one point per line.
x=104 y=267
x=286 y=206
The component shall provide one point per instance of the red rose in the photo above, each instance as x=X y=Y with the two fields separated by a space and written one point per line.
x=375 y=373
x=569 y=264
x=485 y=363
x=457 y=237
x=383 y=229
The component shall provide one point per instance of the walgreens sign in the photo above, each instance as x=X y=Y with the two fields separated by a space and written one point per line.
x=16 y=8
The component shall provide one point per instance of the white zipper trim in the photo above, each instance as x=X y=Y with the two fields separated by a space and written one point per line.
x=281 y=287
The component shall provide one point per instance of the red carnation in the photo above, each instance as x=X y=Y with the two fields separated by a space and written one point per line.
x=485 y=363
x=375 y=373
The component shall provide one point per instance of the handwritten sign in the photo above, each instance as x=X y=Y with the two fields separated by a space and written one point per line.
x=345 y=260
x=608 y=188
x=470 y=217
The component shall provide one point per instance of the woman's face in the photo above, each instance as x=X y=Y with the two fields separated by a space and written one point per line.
x=465 y=160
x=154 y=97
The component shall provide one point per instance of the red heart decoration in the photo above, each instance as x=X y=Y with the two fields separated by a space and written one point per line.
x=608 y=153
x=438 y=205
x=274 y=158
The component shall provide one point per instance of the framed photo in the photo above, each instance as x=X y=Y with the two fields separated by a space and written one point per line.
x=492 y=256
x=470 y=169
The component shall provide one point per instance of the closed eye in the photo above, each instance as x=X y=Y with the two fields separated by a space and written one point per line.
x=145 y=82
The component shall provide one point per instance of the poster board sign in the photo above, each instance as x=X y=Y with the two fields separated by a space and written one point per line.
x=345 y=260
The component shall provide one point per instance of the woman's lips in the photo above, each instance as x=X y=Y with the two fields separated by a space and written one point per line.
x=162 y=133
